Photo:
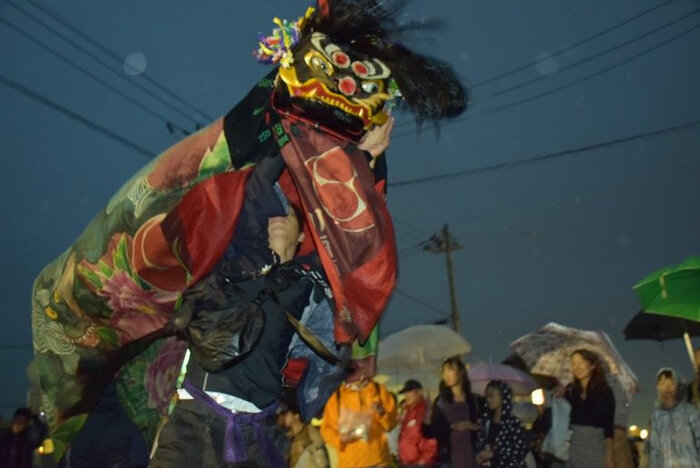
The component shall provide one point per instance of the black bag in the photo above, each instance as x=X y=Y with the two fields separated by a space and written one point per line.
x=220 y=322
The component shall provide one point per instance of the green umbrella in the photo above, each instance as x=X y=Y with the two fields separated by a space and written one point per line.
x=673 y=291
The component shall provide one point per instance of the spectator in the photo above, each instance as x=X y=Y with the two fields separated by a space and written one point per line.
x=307 y=448
x=592 y=412
x=355 y=421
x=453 y=417
x=17 y=443
x=501 y=439
x=622 y=453
x=414 y=448
x=675 y=426
x=694 y=393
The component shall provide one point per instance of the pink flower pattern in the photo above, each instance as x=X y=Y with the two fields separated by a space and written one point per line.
x=136 y=312
x=162 y=374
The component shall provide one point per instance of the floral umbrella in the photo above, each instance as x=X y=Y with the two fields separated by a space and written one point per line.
x=548 y=351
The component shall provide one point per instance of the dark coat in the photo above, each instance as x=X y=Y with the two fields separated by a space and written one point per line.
x=510 y=447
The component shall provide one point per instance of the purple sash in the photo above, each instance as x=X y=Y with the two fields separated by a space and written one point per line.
x=234 y=448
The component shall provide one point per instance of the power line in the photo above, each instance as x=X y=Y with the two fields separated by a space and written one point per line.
x=577 y=44
x=593 y=75
x=420 y=302
x=112 y=54
x=558 y=154
x=93 y=76
x=566 y=86
x=85 y=121
x=593 y=57
x=101 y=62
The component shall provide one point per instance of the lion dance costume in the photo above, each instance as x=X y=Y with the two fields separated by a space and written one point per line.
x=107 y=312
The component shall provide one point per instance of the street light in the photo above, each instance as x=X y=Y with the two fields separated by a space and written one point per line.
x=537 y=397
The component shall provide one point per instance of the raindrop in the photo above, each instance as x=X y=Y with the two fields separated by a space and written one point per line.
x=546 y=64
x=85 y=201
x=465 y=56
x=623 y=241
x=135 y=63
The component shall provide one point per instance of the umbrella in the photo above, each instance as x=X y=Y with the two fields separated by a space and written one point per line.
x=419 y=347
x=482 y=373
x=673 y=291
x=548 y=351
x=543 y=381
x=655 y=327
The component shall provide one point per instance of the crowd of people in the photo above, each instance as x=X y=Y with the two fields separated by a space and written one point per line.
x=581 y=425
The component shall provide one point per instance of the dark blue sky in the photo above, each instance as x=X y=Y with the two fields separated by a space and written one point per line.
x=563 y=239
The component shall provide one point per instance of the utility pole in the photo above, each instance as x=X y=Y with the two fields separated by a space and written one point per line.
x=444 y=243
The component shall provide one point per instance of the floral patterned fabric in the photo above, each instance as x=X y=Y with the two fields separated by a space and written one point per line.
x=95 y=307
x=101 y=311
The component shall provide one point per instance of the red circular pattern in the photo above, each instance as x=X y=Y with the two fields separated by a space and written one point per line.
x=360 y=69
x=347 y=86
x=341 y=58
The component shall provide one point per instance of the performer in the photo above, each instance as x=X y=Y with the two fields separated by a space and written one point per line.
x=104 y=314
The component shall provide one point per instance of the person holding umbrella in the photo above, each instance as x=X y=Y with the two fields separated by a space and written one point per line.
x=453 y=417
x=675 y=426
x=694 y=393
x=592 y=412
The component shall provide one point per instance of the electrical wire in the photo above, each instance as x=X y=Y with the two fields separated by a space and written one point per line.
x=111 y=53
x=93 y=76
x=593 y=57
x=575 y=45
x=420 y=302
x=75 y=116
x=563 y=87
x=544 y=157
x=101 y=62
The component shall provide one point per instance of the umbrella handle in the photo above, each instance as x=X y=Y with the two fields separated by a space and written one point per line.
x=689 y=347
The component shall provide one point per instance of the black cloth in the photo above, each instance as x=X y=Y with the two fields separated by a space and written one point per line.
x=257 y=376
x=108 y=438
x=193 y=437
x=439 y=426
x=494 y=429
x=596 y=410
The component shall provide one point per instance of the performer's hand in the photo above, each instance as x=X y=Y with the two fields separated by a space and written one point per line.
x=376 y=140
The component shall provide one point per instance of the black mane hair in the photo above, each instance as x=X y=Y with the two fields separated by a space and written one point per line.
x=429 y=86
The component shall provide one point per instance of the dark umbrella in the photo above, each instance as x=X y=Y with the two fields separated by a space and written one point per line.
x=645 y=326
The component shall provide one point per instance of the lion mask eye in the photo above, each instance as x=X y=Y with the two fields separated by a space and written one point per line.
x=370 y=87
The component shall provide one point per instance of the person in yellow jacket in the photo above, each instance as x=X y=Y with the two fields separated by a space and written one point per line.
x=355 y=421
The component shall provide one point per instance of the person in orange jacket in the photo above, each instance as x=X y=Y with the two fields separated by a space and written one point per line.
x=415 y=450
x=356 y=419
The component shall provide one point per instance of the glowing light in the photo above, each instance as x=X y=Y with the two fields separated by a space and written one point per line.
x=643 y=434
x=537 y=397
x=633 y=428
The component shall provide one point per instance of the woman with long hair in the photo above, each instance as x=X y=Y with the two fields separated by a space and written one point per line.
x=592 y=412
x=453 y=417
